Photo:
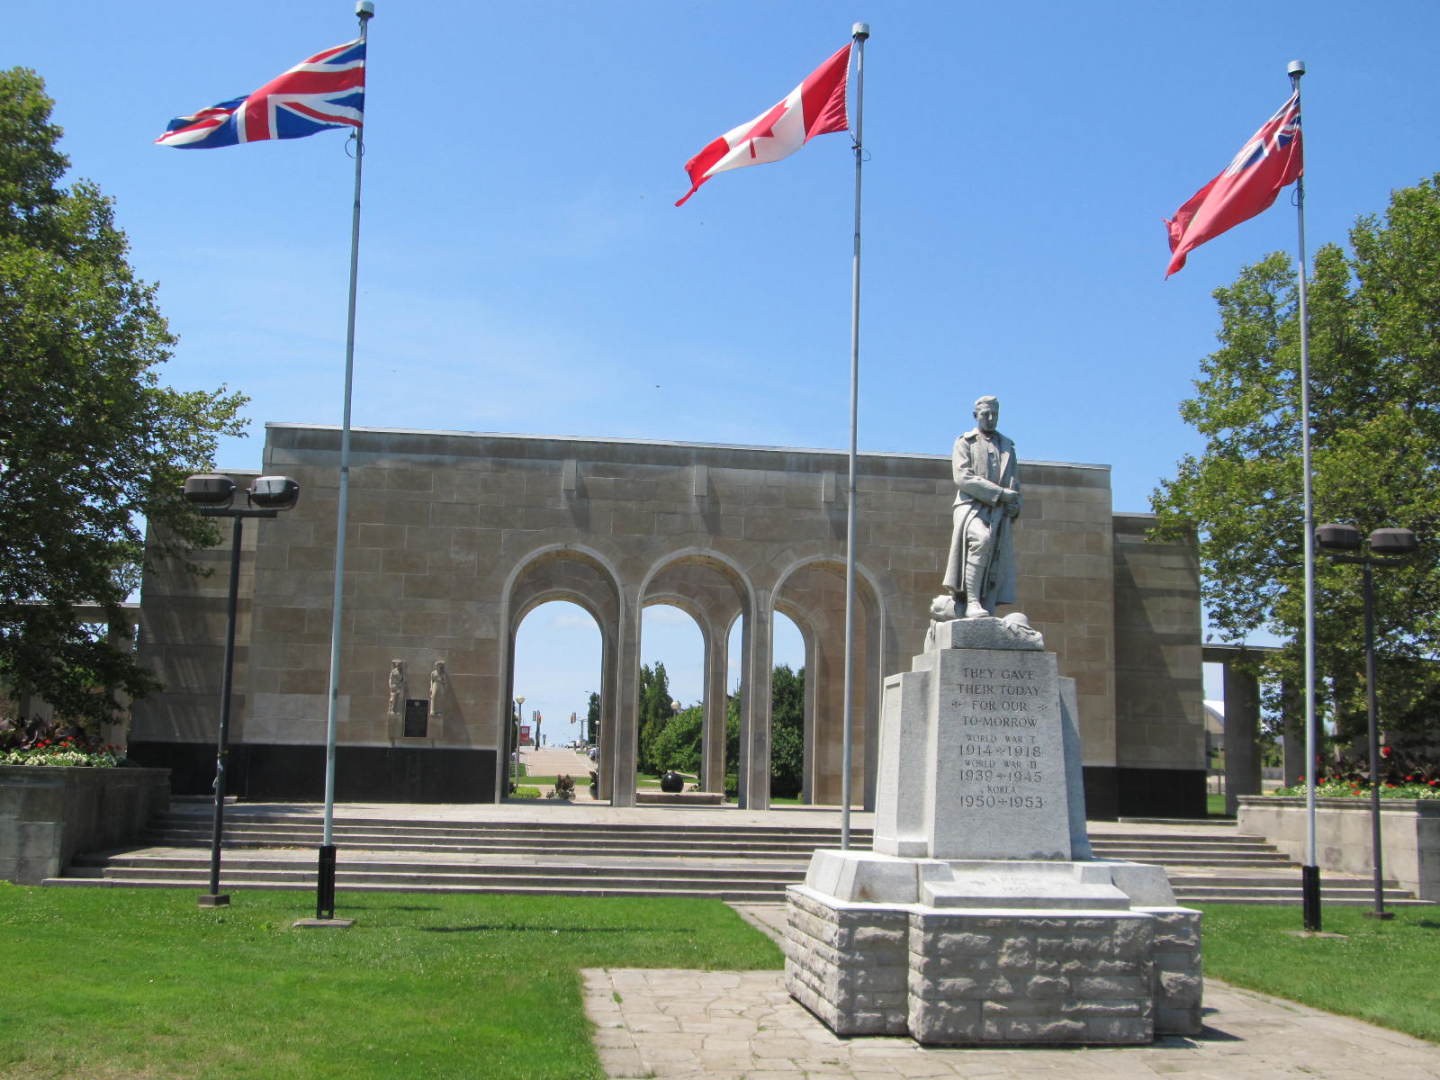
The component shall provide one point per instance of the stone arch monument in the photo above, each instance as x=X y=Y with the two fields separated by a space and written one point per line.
x=454 y=537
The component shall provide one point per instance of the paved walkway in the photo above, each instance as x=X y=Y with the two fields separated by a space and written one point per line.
x=552 y=761
x=729 y=1025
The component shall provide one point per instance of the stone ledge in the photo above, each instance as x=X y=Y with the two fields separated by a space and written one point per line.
x=1409 y=835
x=50 y=813
x=679 y=798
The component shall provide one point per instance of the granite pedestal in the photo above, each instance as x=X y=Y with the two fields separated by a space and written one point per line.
x=979 y=917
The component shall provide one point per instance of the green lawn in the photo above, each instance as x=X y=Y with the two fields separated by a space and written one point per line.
x=1381 y=972
x=580 y=778
x=119 y=983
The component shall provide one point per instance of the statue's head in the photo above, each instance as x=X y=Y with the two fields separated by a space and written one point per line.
x=987 y=412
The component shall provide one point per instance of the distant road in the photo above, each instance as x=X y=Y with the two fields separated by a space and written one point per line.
x=552 y=761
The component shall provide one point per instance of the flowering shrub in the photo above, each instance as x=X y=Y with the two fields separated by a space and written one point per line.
x=44 y=743
x=64 y=751
x=1336 y=788
x=1404 y=774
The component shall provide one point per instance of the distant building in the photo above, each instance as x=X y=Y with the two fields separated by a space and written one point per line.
x=1214 y=730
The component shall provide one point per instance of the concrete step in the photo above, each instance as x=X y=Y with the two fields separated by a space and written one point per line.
x=667 y=870
x=256 y=838
x=1208 y=863
x=1332 y=895
x=484 y=828
x=416 y=876
x=249 y=834
x=1234 y=862
x=1182 y=843
x=201 y=881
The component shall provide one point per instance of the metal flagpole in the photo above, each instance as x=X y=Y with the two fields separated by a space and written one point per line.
x=325 y=880
x=1310 y=871
x=859 y=32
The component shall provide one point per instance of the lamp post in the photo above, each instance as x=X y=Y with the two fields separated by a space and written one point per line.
x=1387 y=547
x=212 y=495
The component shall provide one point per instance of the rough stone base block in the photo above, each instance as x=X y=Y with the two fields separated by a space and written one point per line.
x=1179 y=976
x=966 y=976
x=848 y=964
x=979 y=977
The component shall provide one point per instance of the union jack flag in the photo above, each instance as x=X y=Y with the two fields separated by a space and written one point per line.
x=326 y=91
x=1273 y=137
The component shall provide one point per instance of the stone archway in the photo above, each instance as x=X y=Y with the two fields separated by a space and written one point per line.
x=812 y=595
x=580 y=577
x=714 y=593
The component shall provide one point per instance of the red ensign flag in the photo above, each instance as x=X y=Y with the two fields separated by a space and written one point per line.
x=815 y=107
x=1271 y=159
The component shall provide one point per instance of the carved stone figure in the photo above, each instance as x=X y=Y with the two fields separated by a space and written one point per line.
x=397 y=687
x=980 y=570
x=438 y=680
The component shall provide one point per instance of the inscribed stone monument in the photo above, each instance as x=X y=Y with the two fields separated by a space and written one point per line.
x=980 y=917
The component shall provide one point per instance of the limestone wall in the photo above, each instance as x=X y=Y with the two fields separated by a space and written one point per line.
x=1159 y=721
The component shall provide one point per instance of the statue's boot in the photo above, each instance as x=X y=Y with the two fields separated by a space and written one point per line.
x=974 y=609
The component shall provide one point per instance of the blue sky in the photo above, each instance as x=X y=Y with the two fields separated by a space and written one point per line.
x=523 y=268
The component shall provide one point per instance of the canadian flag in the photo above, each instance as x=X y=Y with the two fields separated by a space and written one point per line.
x=815 y=107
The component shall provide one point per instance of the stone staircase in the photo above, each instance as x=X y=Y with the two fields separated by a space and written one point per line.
x=1208 y=862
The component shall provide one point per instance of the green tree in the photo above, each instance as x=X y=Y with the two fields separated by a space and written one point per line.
x=592 y=718
x=787 y=732
x=655 y=713
x=678 y=744
x=732 y=742
x=1375 y=388
x=90 y=442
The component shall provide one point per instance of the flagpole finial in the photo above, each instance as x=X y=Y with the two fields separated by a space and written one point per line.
x=1295 y=68
x=860 y=30
x=365 y=9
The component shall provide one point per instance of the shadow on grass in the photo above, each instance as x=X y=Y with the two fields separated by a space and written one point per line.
x=532 y=928
x=388 y=907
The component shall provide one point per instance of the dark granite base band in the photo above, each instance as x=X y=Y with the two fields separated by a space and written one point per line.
x=362 y=773
x=1112 y=792
x=409 y=774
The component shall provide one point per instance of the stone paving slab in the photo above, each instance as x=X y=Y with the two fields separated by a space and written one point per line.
x=733 y=1025
x=728 y=1025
